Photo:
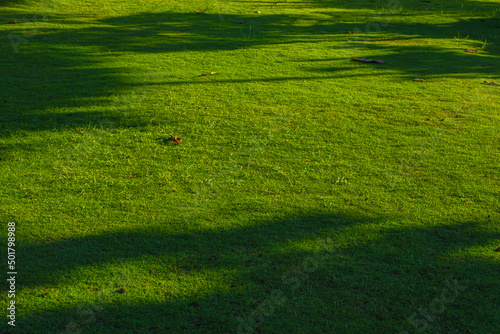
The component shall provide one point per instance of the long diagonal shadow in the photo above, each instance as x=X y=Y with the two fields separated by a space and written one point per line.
x=70 y=68
x=366 y=273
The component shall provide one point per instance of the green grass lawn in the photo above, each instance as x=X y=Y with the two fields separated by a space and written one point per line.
x=310 y=193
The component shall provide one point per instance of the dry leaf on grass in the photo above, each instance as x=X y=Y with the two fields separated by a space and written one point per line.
x=174 y=139
x=417 y=79
x=199 y=11
x=211 y=73
x=364 y=60
x=491 y=83
x=471 y=51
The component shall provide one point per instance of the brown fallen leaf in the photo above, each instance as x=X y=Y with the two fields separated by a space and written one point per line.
x=199 y=11
x=211 y=73
x=471 y=51
x=417 y=79
x=174 y=139
x=364 y=60
x=491 y=83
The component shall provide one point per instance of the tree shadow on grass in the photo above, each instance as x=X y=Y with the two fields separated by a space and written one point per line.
x=315 y=273
x=11 y=2
x=39 y=89
x=59 y=69
x=446 y=6
x=148 y=33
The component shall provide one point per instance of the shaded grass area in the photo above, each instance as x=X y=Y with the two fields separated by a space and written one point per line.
x=342 y=271
x=310 y=193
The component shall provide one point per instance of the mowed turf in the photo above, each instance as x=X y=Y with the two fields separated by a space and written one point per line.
x=309 y=193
